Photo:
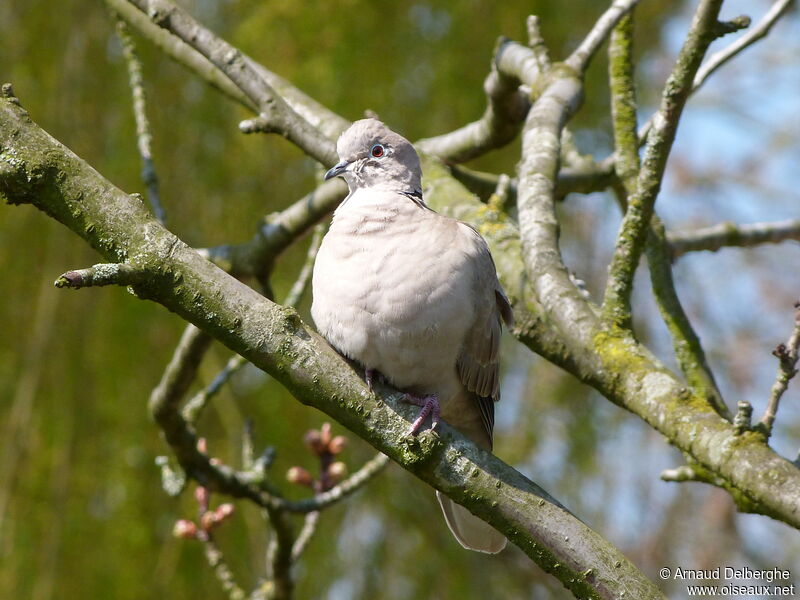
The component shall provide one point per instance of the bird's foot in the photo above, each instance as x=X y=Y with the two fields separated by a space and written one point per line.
x=369 y=377
x=430 y=406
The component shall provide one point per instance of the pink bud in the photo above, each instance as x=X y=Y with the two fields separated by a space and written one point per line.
x=184 y=529
x=337 y=444
x=325 y=433
x=201 y=445
x=337 y=471
x=314 y=441
x=224 y=511
x=202 y=495
x=299 y=475
x=207 y=520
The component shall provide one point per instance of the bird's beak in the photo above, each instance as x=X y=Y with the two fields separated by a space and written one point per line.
x=337 y=170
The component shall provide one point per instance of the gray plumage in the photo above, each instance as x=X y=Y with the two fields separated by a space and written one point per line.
x=413 y=295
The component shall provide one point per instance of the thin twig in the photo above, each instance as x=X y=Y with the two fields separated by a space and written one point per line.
x=787 y=355
x=100 y=275
x=277 y=232
x=194 y=407
x=729 y=234
x=143 y=135
x=301 y=283
x=302 y=539
x=279 y=555
x=579 y=59
x=761 y=30
x=322 y=500
x=225 y=576
x=718 y=59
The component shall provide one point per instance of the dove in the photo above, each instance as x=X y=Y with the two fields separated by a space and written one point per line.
x=412 y=295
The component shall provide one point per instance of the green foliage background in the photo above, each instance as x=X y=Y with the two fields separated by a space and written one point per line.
x=82 y=513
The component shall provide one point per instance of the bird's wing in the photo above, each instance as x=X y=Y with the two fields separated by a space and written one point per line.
x=478 y=360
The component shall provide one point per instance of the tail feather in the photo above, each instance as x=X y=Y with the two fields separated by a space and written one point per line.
x=470 y=531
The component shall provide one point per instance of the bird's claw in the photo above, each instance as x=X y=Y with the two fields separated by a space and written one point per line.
x=369 y=376
x=430 y=406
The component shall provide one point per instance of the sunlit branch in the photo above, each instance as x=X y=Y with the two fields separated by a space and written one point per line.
x=718 y=59
x=282 y=118
x=787 y=355
x=99 y=275
x=725 y=235
x=579 y=59
x=636 y=222
x=501 y=121
x=277 y=232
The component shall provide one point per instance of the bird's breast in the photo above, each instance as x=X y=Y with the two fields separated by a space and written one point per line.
x=393 y=294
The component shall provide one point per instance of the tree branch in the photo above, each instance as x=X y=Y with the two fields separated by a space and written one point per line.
x=143 y=135
x=277 y=232
x=99 y=275
x=538 y=170
x=582 y=55
x=282 y=118
x=616 y=306
x=787 y=355
x=729 y=234
x=718 y=59
x=758 y=32
x=636 y=223
x=505 y=112
x=36 y=169
x=685 y=342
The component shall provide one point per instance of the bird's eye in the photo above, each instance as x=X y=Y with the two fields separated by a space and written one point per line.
x=377 y=151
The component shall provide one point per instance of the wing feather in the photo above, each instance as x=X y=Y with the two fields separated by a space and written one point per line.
x=479 y=358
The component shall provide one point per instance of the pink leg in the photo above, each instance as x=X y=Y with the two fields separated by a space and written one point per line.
x=430 y=406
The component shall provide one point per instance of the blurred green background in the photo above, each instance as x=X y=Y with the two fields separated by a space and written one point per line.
x=82 y=513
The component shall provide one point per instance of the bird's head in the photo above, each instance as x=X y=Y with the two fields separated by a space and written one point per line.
x=372 y=155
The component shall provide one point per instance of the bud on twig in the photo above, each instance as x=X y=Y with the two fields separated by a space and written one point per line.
x=184 y=529
x=299 y=475
x=337 y=444
x=336 y=472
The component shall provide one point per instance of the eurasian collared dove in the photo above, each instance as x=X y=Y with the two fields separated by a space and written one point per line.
x=413 y=295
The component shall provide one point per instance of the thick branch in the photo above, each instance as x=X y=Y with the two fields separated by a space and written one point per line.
x=36 y=169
